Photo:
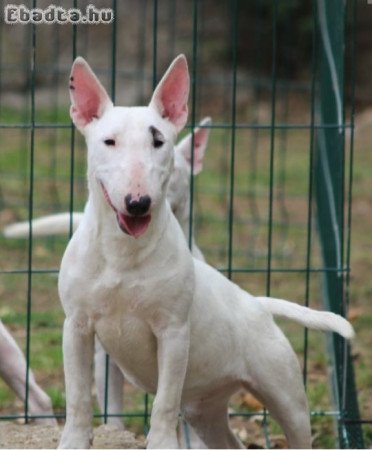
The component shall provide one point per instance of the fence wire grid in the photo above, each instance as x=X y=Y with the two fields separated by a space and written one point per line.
x=271 y=208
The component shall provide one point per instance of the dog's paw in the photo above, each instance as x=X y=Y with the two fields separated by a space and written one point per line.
x=155 y=440
x=76 y=439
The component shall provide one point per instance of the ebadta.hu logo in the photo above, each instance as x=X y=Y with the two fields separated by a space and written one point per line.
x=20 y=14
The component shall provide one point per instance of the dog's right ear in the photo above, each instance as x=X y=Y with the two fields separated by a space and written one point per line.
x=89 y=100
x=185 y=147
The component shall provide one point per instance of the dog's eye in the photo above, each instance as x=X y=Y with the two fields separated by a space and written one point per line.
x=109 y=142
x=158 y=143
x=157 y=138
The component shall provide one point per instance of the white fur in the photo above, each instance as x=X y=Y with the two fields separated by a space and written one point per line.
x=174 y=325
x=13 y=372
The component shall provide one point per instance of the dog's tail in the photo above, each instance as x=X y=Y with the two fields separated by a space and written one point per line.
x=309 y=318
x=56 y=224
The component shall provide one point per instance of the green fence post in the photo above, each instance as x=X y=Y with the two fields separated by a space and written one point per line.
x=329 y=180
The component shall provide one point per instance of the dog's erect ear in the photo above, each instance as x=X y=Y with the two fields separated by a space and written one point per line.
x=89 y=100
x=171 y=95
x=200 y=144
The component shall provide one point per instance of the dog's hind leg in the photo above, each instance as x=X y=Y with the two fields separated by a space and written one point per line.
x=291 y=413
x=114 y=385
x=209 y=420
x=277 y=383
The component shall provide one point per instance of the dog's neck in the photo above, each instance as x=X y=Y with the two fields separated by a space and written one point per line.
x=183 y=218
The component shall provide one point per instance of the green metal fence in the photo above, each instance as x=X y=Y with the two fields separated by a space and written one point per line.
x=272 y=208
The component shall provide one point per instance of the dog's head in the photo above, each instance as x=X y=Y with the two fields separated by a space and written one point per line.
x=189 y=155
x=130 y=150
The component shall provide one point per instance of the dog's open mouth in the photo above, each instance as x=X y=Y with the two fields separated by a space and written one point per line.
x=133 y=225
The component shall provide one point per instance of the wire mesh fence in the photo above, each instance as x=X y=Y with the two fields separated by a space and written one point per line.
x=271 y=208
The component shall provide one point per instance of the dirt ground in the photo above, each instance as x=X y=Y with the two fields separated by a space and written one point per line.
x=14 y=435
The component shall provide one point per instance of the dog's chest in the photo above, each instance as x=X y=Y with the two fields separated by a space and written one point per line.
x=130 y=341
x=125 y=306
x=133 y=292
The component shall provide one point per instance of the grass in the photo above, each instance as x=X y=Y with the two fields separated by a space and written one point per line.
x=248 y=261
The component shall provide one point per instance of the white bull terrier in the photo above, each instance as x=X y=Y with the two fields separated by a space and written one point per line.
x=189 y=151
x=188 y=160
x=175 y=326
x=178 y=196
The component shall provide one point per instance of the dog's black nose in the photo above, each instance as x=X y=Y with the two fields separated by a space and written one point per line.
x=137 y=207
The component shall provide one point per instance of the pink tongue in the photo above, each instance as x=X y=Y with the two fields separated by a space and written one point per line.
x=134 y=226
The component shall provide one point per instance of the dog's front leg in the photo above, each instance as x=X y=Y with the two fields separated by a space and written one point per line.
x=173 y=350
x=78 y=349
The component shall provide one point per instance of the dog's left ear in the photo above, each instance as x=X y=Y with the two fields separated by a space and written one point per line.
x=186 y=148
x=171 y=95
